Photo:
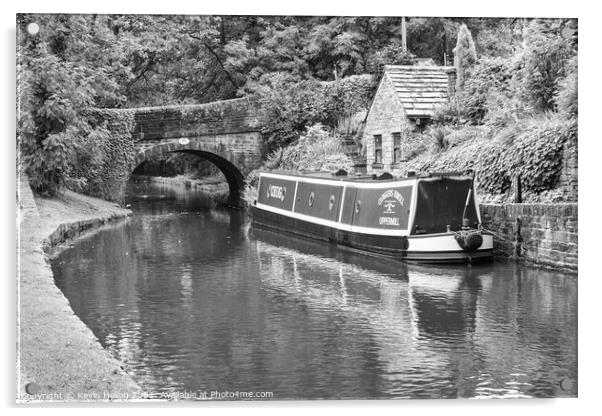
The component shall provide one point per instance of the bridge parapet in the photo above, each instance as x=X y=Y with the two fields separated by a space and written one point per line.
x=221 y=117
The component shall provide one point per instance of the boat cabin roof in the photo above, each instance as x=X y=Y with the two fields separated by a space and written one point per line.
x=338 y=176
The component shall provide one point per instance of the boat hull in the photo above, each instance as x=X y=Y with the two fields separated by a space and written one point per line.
x=436 y=248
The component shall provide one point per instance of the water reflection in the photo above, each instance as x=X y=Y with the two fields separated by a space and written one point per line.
x=191 y=299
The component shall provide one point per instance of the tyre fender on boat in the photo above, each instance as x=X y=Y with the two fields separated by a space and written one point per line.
x=469 y=240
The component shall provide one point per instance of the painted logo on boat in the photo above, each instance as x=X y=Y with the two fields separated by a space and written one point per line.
x=278 y=192
x=389 y=200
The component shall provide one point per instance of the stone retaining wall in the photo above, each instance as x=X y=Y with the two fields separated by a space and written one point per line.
x=544 y=234
x=569 y=175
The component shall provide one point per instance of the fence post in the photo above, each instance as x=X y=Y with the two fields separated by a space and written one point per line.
x=518 y=191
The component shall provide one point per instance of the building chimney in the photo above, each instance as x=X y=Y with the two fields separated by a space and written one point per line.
x=451 y=81
x=404 y=43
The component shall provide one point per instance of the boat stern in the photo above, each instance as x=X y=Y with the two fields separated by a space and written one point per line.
x=467 y=246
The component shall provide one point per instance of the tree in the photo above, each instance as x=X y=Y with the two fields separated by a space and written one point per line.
x=465 y=56
x=57 y=86
x=545 y=60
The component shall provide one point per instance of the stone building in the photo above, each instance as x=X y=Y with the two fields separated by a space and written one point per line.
x=406 y=99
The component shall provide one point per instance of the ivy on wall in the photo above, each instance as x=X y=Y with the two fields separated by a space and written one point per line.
x=117 y=153
x=532 y=150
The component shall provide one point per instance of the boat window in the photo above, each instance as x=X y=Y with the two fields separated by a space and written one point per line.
x=312 y=196
x=331 y=203
x=357 y=207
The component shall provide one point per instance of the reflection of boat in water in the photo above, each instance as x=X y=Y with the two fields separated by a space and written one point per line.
x=432 y=218
x=413 y=315
x=438 y=298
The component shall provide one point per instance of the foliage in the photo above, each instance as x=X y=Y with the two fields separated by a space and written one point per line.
x=316 y=149
x=567 y=95
x=531 y=148
x=491 y=77
x=54 y=131
x=351 y=126
x=289 y=104
x=541 y=76
x=439 y=139
x=543 y=62
x=465 y=56
x=392 y=54
x=349 y=95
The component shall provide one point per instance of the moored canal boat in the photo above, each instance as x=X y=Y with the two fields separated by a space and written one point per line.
x=431 y=218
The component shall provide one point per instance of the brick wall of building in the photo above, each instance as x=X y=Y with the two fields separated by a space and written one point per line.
x=544 y=234
x=385 y=118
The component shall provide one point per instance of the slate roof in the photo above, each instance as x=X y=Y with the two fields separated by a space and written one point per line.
x=421 y=89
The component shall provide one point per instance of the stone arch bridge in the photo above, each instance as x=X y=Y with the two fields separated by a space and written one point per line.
x=227 y=133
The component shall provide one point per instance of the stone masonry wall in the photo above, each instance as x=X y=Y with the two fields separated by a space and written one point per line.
x=220 y=117
x=245 y=148
x=386 y=117
x=568 y=181
x=544 y=234
x=230 y=130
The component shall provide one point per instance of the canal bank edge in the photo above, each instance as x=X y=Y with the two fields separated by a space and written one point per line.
x=58 y=356
x=544 y=234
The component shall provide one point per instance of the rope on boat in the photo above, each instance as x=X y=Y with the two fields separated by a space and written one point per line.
x=498 y=236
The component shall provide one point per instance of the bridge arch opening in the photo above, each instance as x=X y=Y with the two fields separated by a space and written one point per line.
x=223 y=159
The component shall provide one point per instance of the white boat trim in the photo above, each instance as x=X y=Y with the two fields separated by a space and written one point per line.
x=340 y=203
x=443 y=243
x=342 y=180
x=294 y=196
x=333 y=224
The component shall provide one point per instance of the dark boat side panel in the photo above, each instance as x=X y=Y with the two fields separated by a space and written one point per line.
x=319 y=200
x=385 y=208
x=277 y=192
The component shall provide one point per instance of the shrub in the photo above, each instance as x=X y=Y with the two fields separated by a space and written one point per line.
x=491 y=77
x=55 y=135
x=289 y=104
x=317 y=149
x=543 y=62
x=438 y=137
x=567 y=95
x=415 y=144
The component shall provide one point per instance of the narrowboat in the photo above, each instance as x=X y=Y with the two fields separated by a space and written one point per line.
x=429 y=218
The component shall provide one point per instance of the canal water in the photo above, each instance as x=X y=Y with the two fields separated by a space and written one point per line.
x=193 y=300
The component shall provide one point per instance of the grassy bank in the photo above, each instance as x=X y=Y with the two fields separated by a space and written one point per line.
x=59 y=358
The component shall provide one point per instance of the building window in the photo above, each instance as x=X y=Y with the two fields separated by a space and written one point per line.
x=396 y=147
x=378 y=148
